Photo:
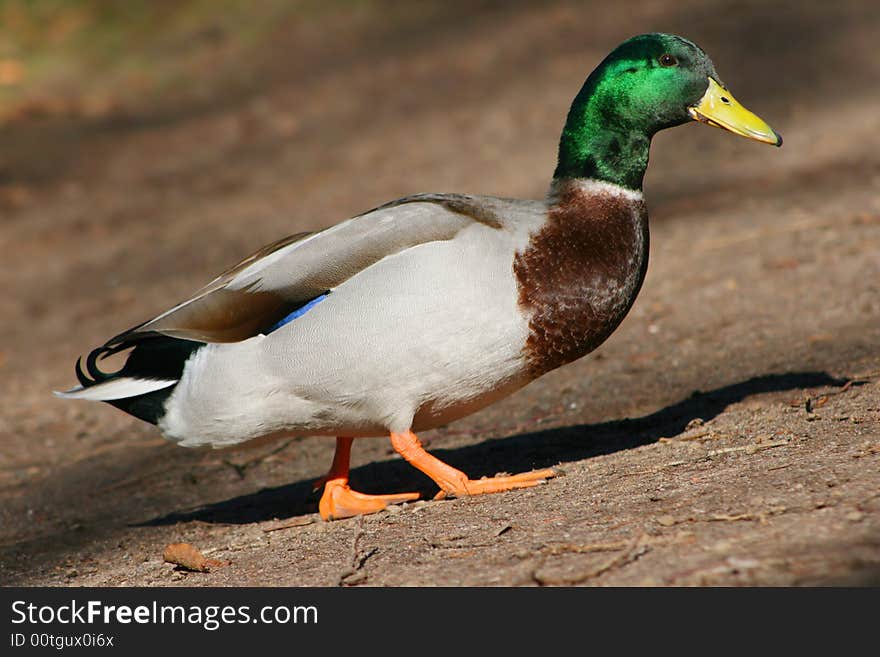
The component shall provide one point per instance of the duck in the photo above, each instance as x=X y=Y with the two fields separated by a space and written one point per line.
x=430 y=307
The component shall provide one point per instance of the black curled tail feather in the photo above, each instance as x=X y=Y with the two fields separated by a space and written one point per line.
x=152 y=356
x=93 y=374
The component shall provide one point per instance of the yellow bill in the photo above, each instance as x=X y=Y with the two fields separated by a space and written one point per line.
x=719 y=108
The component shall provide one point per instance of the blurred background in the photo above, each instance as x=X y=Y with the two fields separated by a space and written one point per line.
x=147 y=145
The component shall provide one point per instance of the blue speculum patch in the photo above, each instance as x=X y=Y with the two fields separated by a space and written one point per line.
x=299 y=312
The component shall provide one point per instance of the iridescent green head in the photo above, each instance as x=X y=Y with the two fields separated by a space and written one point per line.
x=646 y=84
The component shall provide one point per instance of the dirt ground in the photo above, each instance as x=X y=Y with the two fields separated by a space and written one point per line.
x=727 y=434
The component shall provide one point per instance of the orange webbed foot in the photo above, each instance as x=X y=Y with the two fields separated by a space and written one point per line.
x=461 y=486
x=339 y=501
x=454 y=482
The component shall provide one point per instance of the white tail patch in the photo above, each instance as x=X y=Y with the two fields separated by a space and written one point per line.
x=116 y=389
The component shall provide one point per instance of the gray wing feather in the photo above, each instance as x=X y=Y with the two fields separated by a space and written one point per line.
x=241 y=301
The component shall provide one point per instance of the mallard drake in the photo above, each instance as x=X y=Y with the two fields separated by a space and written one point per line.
x=428 y=308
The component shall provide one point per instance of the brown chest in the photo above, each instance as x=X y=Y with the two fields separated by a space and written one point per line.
x=580 y=273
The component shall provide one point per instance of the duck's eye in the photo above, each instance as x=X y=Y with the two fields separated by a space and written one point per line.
x=667 y=60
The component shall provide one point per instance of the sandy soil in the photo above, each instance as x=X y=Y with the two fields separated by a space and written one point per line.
x=727 y=434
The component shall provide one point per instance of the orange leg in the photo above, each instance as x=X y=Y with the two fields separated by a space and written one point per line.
x=340 y=501
x=455 y=482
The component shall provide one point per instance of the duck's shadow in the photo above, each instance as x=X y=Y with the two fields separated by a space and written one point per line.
x=539 y=449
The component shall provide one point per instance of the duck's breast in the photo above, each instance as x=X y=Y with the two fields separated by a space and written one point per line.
x=581 y=271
